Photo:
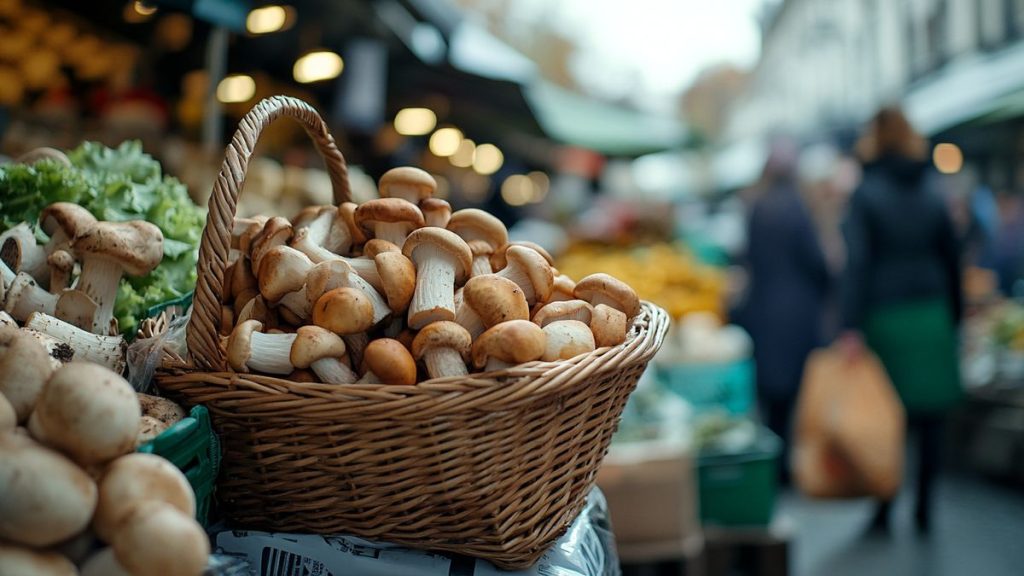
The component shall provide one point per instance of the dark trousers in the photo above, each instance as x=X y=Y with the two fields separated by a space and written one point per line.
x=926 y=433
x=777 y=415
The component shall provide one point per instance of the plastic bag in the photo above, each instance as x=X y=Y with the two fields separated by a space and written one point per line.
x=145 y=354
x=850 y=428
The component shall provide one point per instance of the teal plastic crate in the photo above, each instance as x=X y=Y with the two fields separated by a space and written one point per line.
x=193 y=447
x=727 y=386
x=739 y=488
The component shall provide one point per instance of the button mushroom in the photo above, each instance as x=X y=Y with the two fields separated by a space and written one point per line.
x=390 y=219
x=322 y=351
x=27 y=562
x=248 y=349
x=527 y=268
x=436 y=212
x=442 y=259
x=507 y=344
x=25 y=296
x=24 y=369
x=19 y=251
x=489 y=300
x=133 y=479
x=566 y=339
x=407 y=183
x=386 y=361
x=344 y=311
x=564 y=310
x=157 y=538
x=486 y=233
x=602 y=288
x=107 y=351
x=444 y=348
x=108 y=250
x=609 y=325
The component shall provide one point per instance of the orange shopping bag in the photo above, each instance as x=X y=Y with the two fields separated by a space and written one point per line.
x=850 y=428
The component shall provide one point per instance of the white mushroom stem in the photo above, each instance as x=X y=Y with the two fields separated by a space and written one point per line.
x=297 y=303
x=58 y=351
x=7 y=321
x=365 y=267
x=270 y=353
x=8 y=275
x=25 y=297
x=305 y=242
x=442 y=362
x=435 y=285
x=99 y=280
x=105 y=350
x=394 y=232
x=59 y=241
x=19 y=250
x=495 y=364
x=470 y=320
x=521 y=277
x=369 y=378
x=367 y=270
x=333 y=371
x=482 y=265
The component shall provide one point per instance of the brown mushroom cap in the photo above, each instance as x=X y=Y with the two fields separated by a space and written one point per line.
x=378 y=246
x=387 y=210
x=326 y=276
x=347 y=211
x=137 y=246
x=445 y=240
x=283 y=270
x=344 y=311
x=564 y=310
x=390 y=361
x=609 y=325
x=314 y=343
x=514 y=342
x=24 y=369
x=414 y=178
x=437 y=211
x=567 y=339
x=442 y=334
x=66 y=216
x=276 y=232
x=475 y=224
x=541 y=275
x=563 y=287
x=398 y=278
x=495 y=299
x=599 y=288
x=240 y=344
x=498 y=260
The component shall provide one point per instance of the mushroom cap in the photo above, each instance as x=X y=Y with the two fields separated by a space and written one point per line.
x=344 y=311
x=377 y=246
x=442 y=334
x=18 y=561
x=137 y=246
x=481 y=248
x=421 y=181
x=566 y=339
x=564 y=286
x=563 y=310
x=247 y=236
x=495 y=299
x=61 y=260
x=536 y=266
x=240 y=344
x=387 y=210
x=398 y=278
x=436 y=209
x=24 y=369
x=514 y=342
x=66 y=216
x=445 y=240
x=276 y=232
x=390 y=361
x=605 y=286
x=157 y=538
x=475 y=224
x=347 y=211
x=308 y=214
x=609 y=325
x=134 y=478
x=313 y=343
x=326 y=276
x=283 y=270
x=499 y=261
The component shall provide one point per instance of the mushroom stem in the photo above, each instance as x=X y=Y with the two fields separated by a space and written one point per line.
x=305 y=242
x=443 y=362
x=521 y=277
x=481 y=265
x=394 y=232
x=99 y=280
x=7 y=321
x=105 y=350
x=271 y=353
x=369 y=378
x=434 y=298
x=466 y=317
x=380 y=305
x=18 y=249
x=61 y=263
x=7 y=274
x=495 y=364
x=367 y=270
x=58 y=351
x=297 y=304
x=333 y=371
x=25 y=297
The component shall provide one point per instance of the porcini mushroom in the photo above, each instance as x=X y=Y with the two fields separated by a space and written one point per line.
x=106 y=351
x=442 y=259
x=135 y=478
x=108 y=250
x=602 y=288
x=407 y=183
x=61 y=264
x=347 y=211
x=248 y=349
x=283 y=271
x=28 y=562
x=63 y=222
x=376 y=246
x=472 y=224
x=344 y=311
x=276 y=232
x=324 y=234
x=397 y=279
x=157 y=538
x=566 y=339
x=499 y=261
x=24 y=369
x=390 y=219
x=489 y=300
x=323 y=351
x=436 y=212
x=609 y=325
x=563 y=310
x=25 y=296
x=332 y=274
x=19 y=251
x=386 y=361
x=507 y=344
x=88 y=412
x=444 y=348
x=528 y=269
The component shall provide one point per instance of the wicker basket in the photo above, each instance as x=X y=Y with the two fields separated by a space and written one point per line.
x=492 y=465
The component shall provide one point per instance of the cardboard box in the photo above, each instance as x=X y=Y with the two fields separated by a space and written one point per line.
x=652 y=500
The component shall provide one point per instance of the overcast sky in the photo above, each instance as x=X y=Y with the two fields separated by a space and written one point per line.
x=647 y=50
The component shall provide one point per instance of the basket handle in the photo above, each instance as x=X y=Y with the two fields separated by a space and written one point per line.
x=203 y=330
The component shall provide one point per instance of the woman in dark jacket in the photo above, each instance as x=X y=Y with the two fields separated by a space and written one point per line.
x=901 y=290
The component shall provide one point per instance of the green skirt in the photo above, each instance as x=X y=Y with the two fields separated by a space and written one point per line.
x=917 y=343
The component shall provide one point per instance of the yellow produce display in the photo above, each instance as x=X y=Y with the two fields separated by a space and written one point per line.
x=665 y=274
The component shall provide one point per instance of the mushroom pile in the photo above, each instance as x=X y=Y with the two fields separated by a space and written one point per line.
x=74 y=496
x=401 y=289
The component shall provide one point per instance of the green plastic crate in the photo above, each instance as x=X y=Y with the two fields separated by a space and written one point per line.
x=739 y=488
x=193 y=447
x=712 y=385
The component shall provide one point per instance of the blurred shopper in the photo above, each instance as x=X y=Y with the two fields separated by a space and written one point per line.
x=788 y=283
x=1008 y=251
x=901 y=290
